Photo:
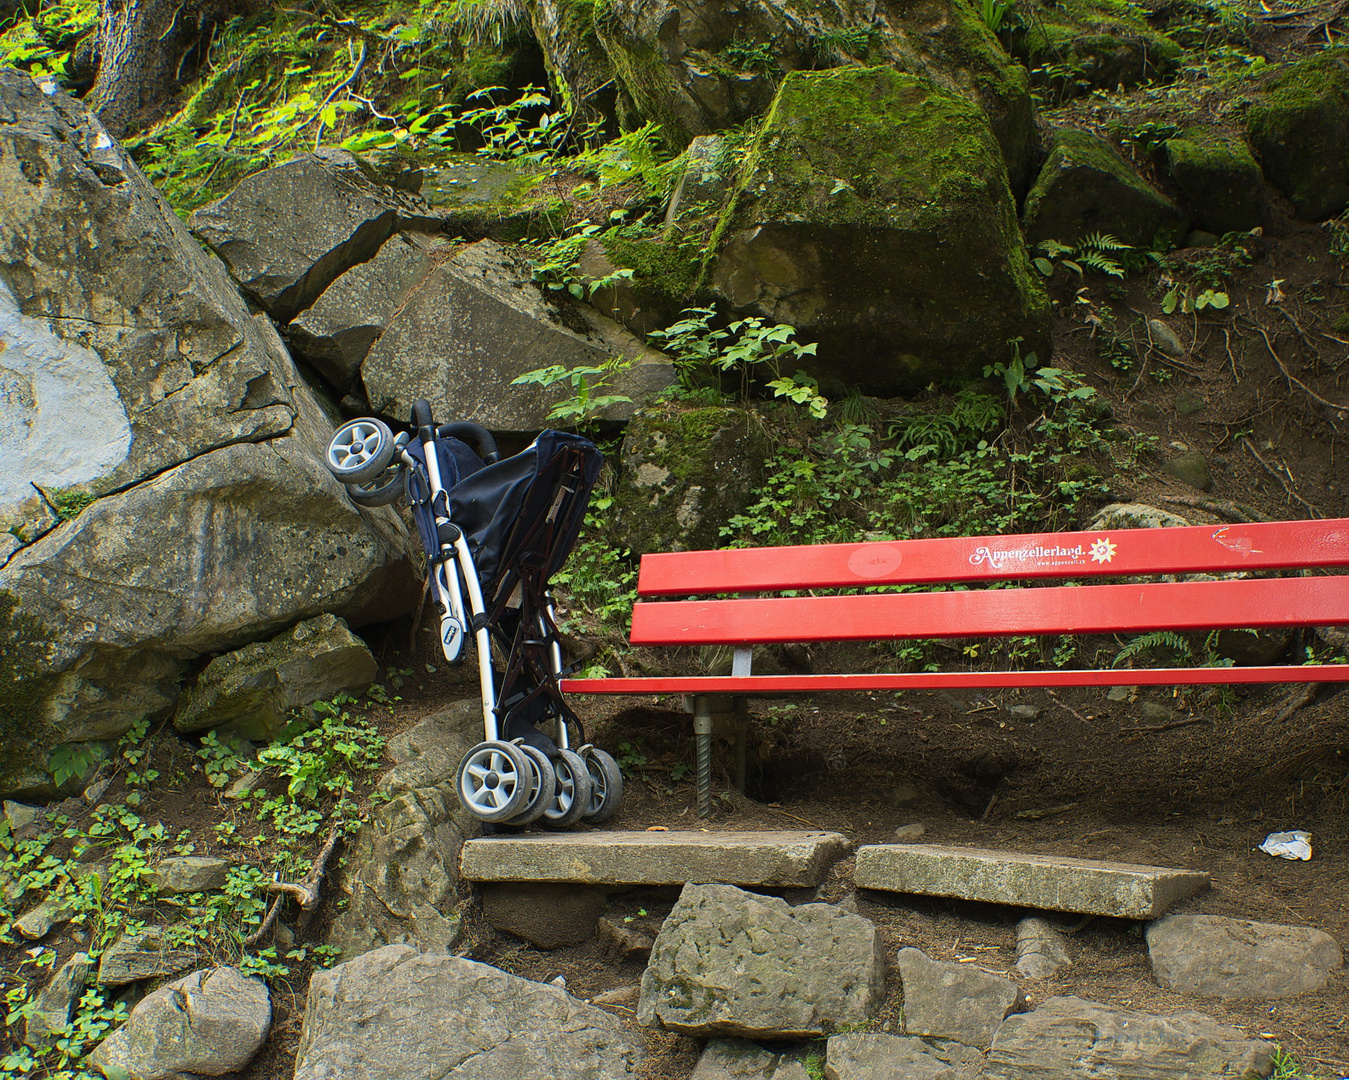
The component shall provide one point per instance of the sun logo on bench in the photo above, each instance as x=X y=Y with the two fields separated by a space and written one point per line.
x=1102 y=550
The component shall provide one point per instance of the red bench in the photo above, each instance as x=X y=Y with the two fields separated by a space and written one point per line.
x=967 y=606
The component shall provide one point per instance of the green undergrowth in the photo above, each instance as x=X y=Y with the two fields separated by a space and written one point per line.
x=98 y=864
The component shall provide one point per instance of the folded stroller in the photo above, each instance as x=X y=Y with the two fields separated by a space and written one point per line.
x=495 y=531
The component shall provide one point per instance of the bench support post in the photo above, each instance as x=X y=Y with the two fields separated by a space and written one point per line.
x=702 y=736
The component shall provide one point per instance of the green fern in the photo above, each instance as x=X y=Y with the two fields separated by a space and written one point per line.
x=1157 y=639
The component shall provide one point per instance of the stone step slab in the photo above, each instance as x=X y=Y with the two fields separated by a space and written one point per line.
x=1083 y=886
x=774 y=859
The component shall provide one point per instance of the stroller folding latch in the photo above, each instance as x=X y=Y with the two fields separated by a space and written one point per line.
x=495 y=531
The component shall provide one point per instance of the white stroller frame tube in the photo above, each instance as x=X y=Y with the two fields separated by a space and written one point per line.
x=555 y=662
x=445 y=583
x=481 y=636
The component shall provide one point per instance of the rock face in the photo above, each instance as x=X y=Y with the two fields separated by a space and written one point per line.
x=738 y=1059
x=477 y=322
x=393 y=1014
x=251 y=691
x=685 y=474
x=954 y=1001
x=1085 y=187
x=143 y=955
x=1069 y=1036
x=874 y=215
x=401 y=880
x=212 y=519
x=1237 y=958
x=1300 y=130
x=728 y=962
x=208 y=1024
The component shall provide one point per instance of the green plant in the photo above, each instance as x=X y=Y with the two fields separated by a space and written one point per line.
x=742 y=349
x=630 y=759
x=995 y=14
x=750 y=55
x=1179 y=296
x=520 y=129
x=218 y=760
x=71 y=761
x=585 y=402
x=1099 y=251
x=1021 y=374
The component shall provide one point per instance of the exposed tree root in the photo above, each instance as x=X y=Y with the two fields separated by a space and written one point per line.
x=305 y=893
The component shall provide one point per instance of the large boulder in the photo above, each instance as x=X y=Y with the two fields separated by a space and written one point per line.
x=477 y=322
x=1085 y=187
x=685 y=474
x=1240 y=958
x=1299 y=128
x=178 y=452
x=730 y=962
x=700 y=66
x=1081 y=45
x=395 y=1014
x=873 y=214
x=288 y=232
x=1219 y=180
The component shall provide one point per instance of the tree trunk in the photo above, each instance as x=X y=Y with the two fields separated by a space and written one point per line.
x=141 y=46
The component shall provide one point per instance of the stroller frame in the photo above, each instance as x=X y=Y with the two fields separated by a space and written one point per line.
x=517 y=774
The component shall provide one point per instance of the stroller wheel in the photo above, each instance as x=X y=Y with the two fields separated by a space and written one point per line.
x=606 y=781
x=493 y=781
x=573 y=791
x=542 y=786
x=381 y=491
x=360 y=450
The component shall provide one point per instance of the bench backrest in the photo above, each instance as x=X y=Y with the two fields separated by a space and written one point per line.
x=968 y=610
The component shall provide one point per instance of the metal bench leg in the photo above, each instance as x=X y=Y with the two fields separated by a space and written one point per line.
x=702 y=736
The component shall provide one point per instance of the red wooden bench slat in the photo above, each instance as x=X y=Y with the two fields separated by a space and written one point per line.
x=932 y=680
x=1262 y=546
x=1085 y=609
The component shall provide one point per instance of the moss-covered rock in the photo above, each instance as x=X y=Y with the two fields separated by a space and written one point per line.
x=874 y=215
x=699 y=66
x=481 y=198
x=25 y=685
x=1219 y=180
x=581 y=74
x=1299 y=128
x=666 y=277
x=685 y=473
x=1085 y=187
x=1081 y=45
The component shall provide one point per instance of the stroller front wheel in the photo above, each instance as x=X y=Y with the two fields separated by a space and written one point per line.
x=542 y=786
x=360 y=450
x=494 y=781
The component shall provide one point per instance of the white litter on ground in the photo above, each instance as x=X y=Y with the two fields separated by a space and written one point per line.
x=1289 y=845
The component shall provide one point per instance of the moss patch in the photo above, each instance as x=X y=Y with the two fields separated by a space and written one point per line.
x=25 y=683
x=1219 y=178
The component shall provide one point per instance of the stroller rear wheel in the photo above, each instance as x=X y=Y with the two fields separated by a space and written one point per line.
x=360 y=450
x=573 y=791
x=542 y=786
x=381 y=491
x=606 y=782
x=494 y=781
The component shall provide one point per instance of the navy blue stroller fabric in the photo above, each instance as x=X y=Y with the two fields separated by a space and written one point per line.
x=521 y=517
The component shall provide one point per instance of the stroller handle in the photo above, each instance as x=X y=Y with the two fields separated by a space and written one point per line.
x=474 y=434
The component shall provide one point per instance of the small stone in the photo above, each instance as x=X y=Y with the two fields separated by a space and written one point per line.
x=1040 y=949
x=1165 y=338
x=189 y=874
x=739 y=1059
x=144 y=955
x=1146 y=410
x=905 y=795
x=21 y=815
x=57 y=999
x=243 y=785
x=1198 y=238
x=623 y=942
x=1190 y=468
x=626 y=996
x=1154 y=712
x=909 y=834
x=1027 y=714
x=39 y=922
x=1187 y=404
x=94 y=793
x=1119 y=693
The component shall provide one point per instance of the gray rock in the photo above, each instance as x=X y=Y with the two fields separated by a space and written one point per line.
x=393 y=1014
x=336 y=333
x=189 y=874
x=210 y=1023
x=250 y=692
x=737 y=1059
x=954 y=1001
x=1165 y=338
x=1263 y=646
x=705 y=178
x=1121 y=890
x=1085 y=187
x=144 y=955
x=1188 y=404
x=547 y=916
x=623 y=942
x=685 y=473
x=728 y=962
x=877 y=1056
x=21 y=815
x=909 y=834
x=477 y=322
x=1040 y=948
x=786 y=859
x=1025 y=713
x=1134 y=516
x=57 y=1000
x=1237 y=958
x=195 y=429
x=433 y=766
x=400 y=882
x=288 y=232
x=1190 y=468
x=1154 y=712
x=41 y=920
x=850 y=246
x=1068 y=1036
x=452 y=727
